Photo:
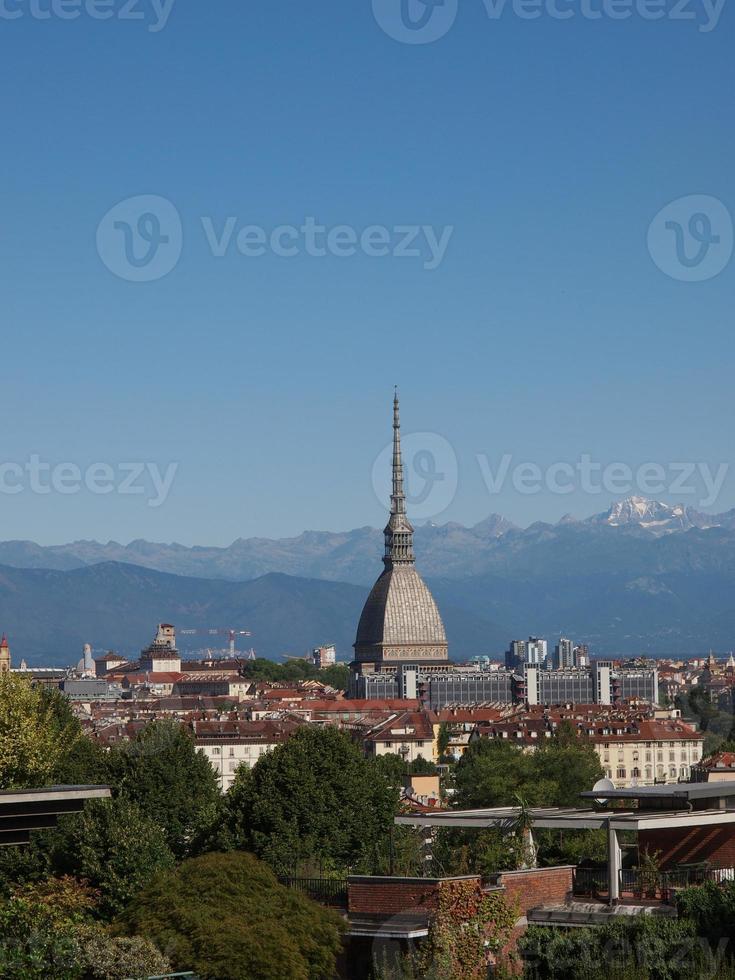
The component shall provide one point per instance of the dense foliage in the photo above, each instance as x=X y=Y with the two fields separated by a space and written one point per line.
x=48 y=931
x=718 y=726
x=226 y=917
x=116 y=847
x=162 y=772
x=712 y=909
x=632 y=948
x=315 y=800
x=36 y=731
x=494 y=772
x=262 y=669
x=395 y=769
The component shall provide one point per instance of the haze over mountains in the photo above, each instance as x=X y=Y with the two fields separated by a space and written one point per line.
x=644 y=576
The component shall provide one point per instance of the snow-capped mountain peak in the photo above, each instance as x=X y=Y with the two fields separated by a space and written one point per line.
x=653 y=515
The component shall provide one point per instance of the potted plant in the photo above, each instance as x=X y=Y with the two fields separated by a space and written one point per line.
x=649 y=872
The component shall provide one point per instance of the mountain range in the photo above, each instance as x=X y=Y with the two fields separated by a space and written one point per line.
x=49 y=614
x=642 y=577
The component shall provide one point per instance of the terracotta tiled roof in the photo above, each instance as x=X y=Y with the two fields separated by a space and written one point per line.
x=720 y=760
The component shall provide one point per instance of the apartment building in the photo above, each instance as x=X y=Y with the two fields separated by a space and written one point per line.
x=231 y=744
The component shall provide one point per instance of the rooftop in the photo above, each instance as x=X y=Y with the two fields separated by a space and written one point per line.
x=22 y=811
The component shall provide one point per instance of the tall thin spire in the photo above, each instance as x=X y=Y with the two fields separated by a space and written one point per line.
x=398 y=530
x=398 y=497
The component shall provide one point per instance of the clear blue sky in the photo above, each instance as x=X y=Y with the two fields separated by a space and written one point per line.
x=547 y=331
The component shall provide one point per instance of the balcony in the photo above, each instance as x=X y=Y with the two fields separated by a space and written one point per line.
x=637 y=886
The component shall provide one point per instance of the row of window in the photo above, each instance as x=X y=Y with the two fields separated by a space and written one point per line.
x=635 y=773
x=649 y=756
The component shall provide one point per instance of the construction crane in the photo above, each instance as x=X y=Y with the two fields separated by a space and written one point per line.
x=230 y=633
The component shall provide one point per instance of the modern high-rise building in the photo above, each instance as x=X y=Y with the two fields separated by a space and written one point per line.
x=537 y=651
x=534 y=650
x=400 y=634
x=325 y=656
x=581 y=655
x=515 y=655
x=564 y=654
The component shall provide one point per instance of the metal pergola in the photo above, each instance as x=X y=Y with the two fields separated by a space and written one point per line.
x=659 y=807
x=22 y=811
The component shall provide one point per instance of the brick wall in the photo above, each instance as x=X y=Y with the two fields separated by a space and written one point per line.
x=683 y=845
x=537 y=886
x=390 y=896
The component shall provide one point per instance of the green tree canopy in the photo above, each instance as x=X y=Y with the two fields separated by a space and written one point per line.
x=395 y=769
x=641 y=947
x=115 y=847
x=37 y=730
x=225 y=916
x=494 y=772
x=173 y=783
x=262 y=669
x=568 y=765
x=47 y=931
x=314 y=798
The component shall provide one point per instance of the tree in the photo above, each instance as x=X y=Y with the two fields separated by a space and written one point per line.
x=492 y=772
x=106 y=957
x=115 y=847
x=36 y=731
x=566 y=765
x=225 y=916
x=395 y=769
x=85 y=763
x=262 y=669
x=712 y=909
x=315 y=798
x=445 y=736
x=173 y=783
x=47 y=930
x=643 y=947
x=336 y=676
x=495 y=772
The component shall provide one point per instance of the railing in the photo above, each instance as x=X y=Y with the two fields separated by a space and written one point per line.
x=589 y=881
x=327 y=891
x=648 y=884
x=654 y=885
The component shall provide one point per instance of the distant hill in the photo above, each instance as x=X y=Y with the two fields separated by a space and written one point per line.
x=642 y=577
x=49 y=614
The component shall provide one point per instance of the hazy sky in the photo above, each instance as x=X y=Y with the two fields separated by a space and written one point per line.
x=529 y=156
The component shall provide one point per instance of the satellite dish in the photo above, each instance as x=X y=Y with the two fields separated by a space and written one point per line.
x=600 y=786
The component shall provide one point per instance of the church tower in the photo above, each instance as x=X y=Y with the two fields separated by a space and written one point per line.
x=400 y=623
x=4 y=655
